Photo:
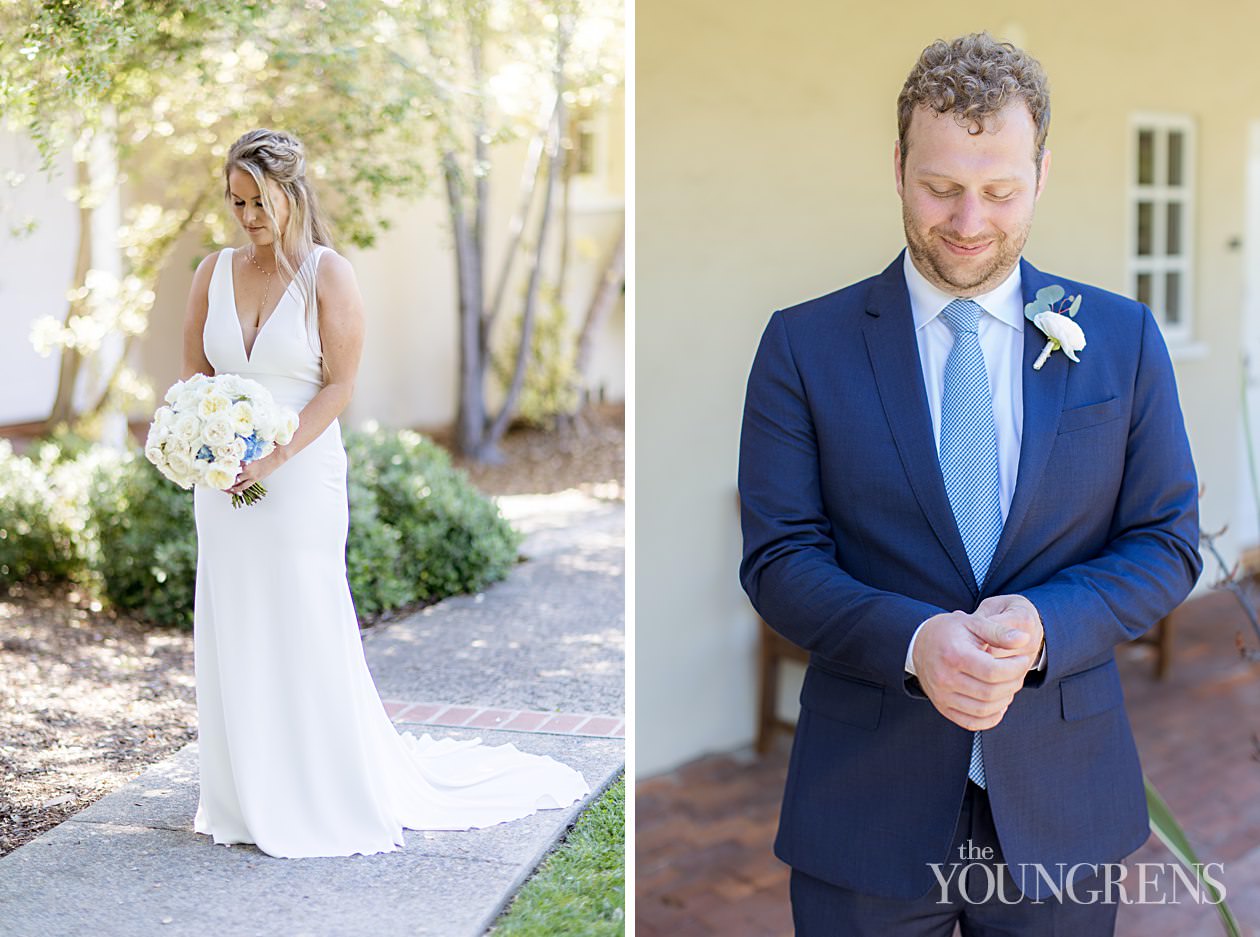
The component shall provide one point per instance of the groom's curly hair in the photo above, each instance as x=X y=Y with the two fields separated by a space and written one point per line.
x=974 y=77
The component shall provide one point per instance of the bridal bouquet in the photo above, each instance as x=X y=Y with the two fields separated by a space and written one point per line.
x=212 y=426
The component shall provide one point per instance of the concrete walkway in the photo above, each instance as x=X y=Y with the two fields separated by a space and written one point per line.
x=537 y=660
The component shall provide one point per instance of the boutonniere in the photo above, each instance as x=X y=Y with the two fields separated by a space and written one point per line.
x=1053 y=312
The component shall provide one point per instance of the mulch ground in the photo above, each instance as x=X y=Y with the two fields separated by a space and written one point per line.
x=90 y=698
x=87 y=700
x=589 y=454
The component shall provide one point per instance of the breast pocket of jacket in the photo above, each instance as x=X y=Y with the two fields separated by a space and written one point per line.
x=843 y=699
x=1091 y=692
x=1092 y=414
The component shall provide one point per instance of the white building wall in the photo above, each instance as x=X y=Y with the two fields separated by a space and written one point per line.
x=35 y=271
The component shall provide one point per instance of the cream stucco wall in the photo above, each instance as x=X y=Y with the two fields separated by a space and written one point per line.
x=764 y=177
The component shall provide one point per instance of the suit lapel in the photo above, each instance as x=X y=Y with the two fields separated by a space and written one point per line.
x=1043 y=393
x=894 y=354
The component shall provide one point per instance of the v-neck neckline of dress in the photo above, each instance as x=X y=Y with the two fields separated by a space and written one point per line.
x=236 y=312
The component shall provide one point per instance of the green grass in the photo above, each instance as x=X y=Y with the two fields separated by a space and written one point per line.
x=580 y=888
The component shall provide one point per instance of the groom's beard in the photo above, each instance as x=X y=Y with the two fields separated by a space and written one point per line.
x=954 y=274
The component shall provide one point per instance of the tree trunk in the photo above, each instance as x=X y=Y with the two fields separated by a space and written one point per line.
x=71 y=359
x=471 y=417
x=529 y=186
x=566 y=201
x=481 y=186
x=610 y=286
x=500 y=424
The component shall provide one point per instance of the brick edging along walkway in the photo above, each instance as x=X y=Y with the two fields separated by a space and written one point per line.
x=513 y=720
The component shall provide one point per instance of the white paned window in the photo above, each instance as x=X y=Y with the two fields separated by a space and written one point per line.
x=1161 y=220
x=596 y=181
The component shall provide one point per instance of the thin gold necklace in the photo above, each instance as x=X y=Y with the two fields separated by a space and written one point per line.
x=267 y=291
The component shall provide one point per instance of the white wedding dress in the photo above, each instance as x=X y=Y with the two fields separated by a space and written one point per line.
x=297 y=753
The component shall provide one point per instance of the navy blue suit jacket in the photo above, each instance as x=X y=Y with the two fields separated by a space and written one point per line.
x=850 y=543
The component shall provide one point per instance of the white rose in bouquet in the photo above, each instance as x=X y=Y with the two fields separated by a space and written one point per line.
x=213 y=404
x=234 y=451
x=243 y=417
x=222 y=474
x=266 y=425
x=182 y=389
x=158 y=434
x=231 y=385
x=181 y=465
x=284 y=435
x=186 y=428
x=218 y=431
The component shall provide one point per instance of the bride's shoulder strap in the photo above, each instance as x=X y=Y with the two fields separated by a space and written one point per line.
x=222 y=268
x=312 y=306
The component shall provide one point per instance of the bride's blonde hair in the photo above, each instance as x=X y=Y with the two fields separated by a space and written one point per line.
x=279 y=156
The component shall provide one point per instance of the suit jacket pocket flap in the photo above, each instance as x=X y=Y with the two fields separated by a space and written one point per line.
x=1090 y=415
x=1092 y=691
x=844 y=699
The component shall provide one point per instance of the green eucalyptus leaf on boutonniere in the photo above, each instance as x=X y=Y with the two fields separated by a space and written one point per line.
x=1050 y=294
x=1047 y=296
x=1056 y=323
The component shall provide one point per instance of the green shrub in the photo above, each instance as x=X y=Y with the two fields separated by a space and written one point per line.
x=62 y=446
x=110 y=520
x=43 y=518
x=452 y=539
x=145 y=541
x=373 y=555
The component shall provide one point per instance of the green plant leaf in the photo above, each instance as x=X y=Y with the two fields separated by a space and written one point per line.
x=1165 y=826
x=1075 y=307
x=1050 y=294
x=1035 y=308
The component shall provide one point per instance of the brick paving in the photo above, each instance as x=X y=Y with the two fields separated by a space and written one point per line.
x=704 y=831
x=514 y=720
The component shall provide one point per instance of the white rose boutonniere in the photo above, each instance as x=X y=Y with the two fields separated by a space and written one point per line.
x=1054 y=313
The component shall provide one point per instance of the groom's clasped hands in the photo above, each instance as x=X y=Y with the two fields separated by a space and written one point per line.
x=972 y=665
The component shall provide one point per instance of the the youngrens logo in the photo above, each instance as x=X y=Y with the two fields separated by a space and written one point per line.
x=976 y=879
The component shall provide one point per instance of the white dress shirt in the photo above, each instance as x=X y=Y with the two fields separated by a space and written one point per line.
x=1001 y=332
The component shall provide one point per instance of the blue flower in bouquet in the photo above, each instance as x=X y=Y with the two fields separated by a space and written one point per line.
x=204 y=454
x=253 y=447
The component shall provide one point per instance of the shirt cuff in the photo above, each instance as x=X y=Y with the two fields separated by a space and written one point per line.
x=910 y=650
x=1041 y=660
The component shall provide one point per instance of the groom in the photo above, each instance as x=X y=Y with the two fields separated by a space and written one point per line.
x=961 y=538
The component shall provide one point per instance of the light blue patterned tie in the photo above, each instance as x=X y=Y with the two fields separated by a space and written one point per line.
x=969 y=455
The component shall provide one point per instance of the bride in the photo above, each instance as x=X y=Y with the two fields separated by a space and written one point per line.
x=296 y=752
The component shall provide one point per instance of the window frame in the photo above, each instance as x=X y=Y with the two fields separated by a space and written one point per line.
x=1160 y=194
